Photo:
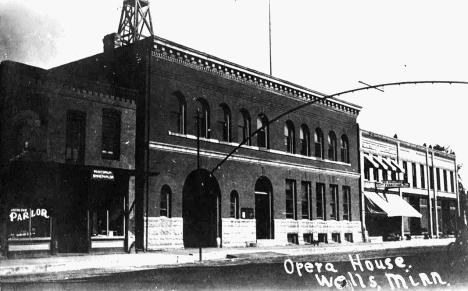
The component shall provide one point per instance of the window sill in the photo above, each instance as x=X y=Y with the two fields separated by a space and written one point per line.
x=234 y=144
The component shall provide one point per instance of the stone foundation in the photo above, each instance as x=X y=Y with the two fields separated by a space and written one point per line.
x=238 y=232
x=341 y=230
x=165 y=233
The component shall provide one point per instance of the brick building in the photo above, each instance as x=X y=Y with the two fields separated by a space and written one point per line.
x=67 y=156
x=295 y=181
x=432 y=179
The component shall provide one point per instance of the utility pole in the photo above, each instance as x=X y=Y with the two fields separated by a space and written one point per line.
x=269 y=30
x=198 y=175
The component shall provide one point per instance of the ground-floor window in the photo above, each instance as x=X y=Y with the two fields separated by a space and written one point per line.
x=108 y=219
x=28 y=223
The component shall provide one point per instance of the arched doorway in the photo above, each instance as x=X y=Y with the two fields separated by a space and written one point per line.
x=201 y=210
x=264 y=208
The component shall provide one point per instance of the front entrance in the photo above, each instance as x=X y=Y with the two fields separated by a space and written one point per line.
x=71 y=213
x=201 y=210
x=264 y=208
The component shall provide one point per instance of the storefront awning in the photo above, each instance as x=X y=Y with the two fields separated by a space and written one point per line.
x=399 y=168
x=391 y=204
x=389 y=164
x=379 y=161
x=371 y=160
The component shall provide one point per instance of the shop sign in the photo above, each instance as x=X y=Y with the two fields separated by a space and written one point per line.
x=25 y=214
x=393 y=184
x=103 y=175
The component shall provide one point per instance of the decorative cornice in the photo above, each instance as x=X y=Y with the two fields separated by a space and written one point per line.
x=177 y=53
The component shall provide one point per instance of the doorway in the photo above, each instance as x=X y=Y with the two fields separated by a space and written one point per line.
x=264 y=208
x=201 y=210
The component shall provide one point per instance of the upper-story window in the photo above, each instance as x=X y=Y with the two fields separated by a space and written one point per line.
x=243 y=126
x=405 y=174
x=111 y=134
x=289 y=137
x=304 y=136
x=262 y=134
x=414 y=176
x=451 y=182
x=344 y=149
x=318 y=139
x=165 y=201
x=423 y=180
x=75 y=136
x=331 y=146
x=226 y=123
x=180 y=113
x=431 y=177
x=203 y=114
x=438 y=178
x=445 y=181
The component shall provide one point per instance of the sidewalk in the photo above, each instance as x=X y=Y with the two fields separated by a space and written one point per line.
x=14 y=267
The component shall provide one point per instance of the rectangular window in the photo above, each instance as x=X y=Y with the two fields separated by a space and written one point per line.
x=334 y=202
x=413 y=168
x=393 y=175
x=451 y=182
x=108 y=219
x=445 y=181
x=423 y=180
x=75 y=136
x=320 y=200
x=405 y=175
x=438 y=178
x=366 y=172
x=376 y=174
x=111 y=134
x=346 y=203
x=291 y=199
x=384 y=175
x=28 y=223
x=306 y=200
x=431 y=177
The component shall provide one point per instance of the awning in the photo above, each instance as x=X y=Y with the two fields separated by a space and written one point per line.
x=379 y=161
x=389 y=164
x=391 y=204
x=399 y=168
x=371 y=160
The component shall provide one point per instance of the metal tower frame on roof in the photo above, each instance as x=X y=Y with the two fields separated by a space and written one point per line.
x=135 y=21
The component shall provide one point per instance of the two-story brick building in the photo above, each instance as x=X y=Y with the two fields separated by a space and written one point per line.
x=431 y=178
x=295 y=181
x=67 y=157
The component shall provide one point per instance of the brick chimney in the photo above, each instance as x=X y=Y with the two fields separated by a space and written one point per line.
x=111 y=42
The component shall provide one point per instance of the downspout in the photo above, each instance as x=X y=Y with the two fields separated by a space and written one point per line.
x=429 y=202
x=435 y=199
x=148 y=95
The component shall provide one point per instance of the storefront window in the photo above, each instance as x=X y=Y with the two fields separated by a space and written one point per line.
x=108 y=220
x=28 y=223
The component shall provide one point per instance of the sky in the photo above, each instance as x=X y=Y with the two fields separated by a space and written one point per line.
x=327 y=46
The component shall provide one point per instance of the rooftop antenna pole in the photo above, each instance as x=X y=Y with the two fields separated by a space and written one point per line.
x=135 y=21
x=269 y=28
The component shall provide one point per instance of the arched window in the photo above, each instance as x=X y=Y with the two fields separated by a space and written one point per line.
x=234 y=211
x=318 y=138
x=331 y=146
x=289 y=137
x=243 y=126
x=344 y=149
x=304 y=135
x=165 y=201
x=262 y=135
x=180 y=113
x=203 y=114
x=226 y=123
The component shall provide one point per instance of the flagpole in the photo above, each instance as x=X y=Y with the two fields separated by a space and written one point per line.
x=269 y=30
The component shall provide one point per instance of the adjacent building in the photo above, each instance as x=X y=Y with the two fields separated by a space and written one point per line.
x=66 y=161
x=425 y=207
